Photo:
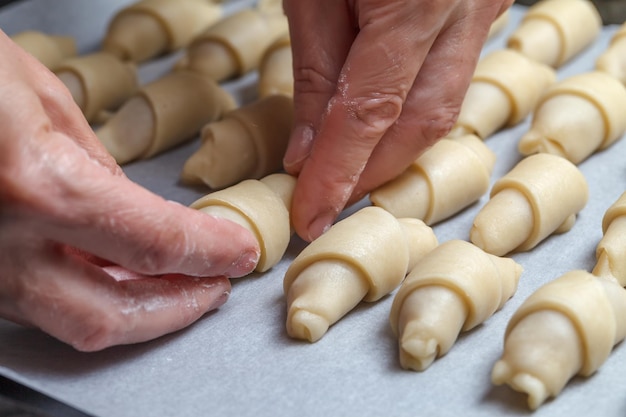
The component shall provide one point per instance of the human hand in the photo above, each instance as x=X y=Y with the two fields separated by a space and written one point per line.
x=86 y=255
x=376 y=83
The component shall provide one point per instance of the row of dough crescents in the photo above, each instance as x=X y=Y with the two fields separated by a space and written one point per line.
x=174 y=108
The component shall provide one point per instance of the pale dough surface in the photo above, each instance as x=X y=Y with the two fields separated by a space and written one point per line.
x=445 y=179
x=578 y=116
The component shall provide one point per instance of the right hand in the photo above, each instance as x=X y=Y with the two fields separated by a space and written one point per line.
x=376 y=83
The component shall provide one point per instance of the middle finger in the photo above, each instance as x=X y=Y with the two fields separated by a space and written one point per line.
x=435 y=99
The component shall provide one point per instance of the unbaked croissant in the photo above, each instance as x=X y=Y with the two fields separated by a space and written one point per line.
x=276 y=68
x=48 y=49
x=566 y=327
x=163 y=114
x=445 y=179
x=149 y=28
x=578 y=116
x=254 y=135
x=504 y=90
x=610 y=259
x=499 y=24
x=261 y=206
x=613 y=59
x=453 y=288
x=362 y=257
x=540 y=196
x=554 y=31
x=99 y=82
x=234 y=45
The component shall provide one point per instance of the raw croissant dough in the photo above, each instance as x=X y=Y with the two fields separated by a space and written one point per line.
x=578 y=116
x=610 y=251
x=445 y=179
x=149 y=28
x=541 y=195
x=99 y=82
x=499 y=24
x=163 y=114
x=504 y=89
x=255 y=136
x=613 y=60
x=261 y=206
x=554 y=31
x=50 y=50
x=270 y=6
x=567 y=327
x=276 y=69
x=453 y=288
x=234 y=45
x=363 y=257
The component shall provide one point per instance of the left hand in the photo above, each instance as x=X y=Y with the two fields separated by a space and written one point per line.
x=86 y=255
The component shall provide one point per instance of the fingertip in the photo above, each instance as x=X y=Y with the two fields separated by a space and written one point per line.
x=319 y=198
x=219 y=298
x=309 y=220
x=220 y=246
x=243 y=251
x=245 y=264
x=320 y=224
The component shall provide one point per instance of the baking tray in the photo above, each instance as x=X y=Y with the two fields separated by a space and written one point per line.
x=239 y=360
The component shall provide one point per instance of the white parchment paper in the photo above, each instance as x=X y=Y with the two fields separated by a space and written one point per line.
x=238 y=361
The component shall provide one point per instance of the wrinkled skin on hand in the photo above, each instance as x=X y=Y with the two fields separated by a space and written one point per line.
x=376 y=83
x=87 y=255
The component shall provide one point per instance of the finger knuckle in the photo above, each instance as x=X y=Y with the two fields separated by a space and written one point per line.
x=54 y=94
x=437 y=124
x=102 y=328
x=151 y=260
x=311 y=80
x=27 y=171
x=97 y=333
x=376 y=113
x=11 y=179
x=165 y=252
